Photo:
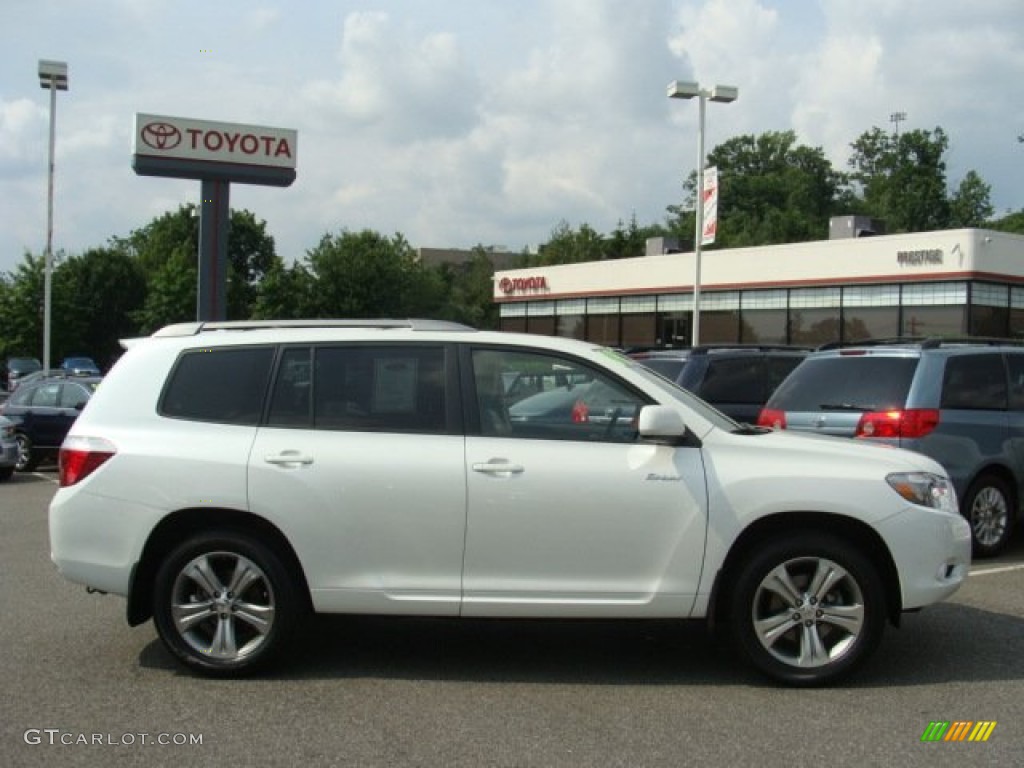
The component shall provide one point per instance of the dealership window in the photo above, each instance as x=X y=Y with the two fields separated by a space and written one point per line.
x=934 y=309
x=990 y=310
x=720 y=317
x=814 y=315
x=814 y=326
x=639 y=321
x=763 y=326
x=570 y=318
x=540 y=318
x=934 y=321
x=512 y=317
x=871 y=312
x=860 y=323
x=1016 y=312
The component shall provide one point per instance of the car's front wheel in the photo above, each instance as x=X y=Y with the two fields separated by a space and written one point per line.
x=224 y=603
x=807 y=609
x=989 y=508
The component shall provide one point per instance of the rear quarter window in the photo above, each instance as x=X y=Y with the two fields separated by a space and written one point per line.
x=974 y=382
x=225 y=385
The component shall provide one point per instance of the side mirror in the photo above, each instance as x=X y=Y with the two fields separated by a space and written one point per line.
x=661 y=423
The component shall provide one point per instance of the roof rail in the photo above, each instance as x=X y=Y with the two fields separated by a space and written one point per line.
x=703 y=349
x=192 y=329
x=984 y=341
x=874 y=342
x=927 y=342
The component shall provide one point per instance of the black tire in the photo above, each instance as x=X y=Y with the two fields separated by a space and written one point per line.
x=6 y=473
x=28 y=458
x=990 y=507
x=226 y=632
x=808 y=635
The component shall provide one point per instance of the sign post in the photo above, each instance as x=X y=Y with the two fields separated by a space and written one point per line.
x=216 y=154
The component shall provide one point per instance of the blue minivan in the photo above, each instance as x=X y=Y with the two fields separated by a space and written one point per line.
x=961 y=402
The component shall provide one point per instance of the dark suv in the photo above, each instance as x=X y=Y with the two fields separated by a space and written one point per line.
x=960 y=402
x=737 y=380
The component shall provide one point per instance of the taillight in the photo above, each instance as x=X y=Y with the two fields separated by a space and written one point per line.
x=771 y=417
x=909 y=423
x=81 y=456
x=580 y=412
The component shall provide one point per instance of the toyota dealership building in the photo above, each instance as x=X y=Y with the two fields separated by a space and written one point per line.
x=949 y=283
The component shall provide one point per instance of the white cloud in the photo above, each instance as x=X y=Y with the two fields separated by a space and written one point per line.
x=486 y=122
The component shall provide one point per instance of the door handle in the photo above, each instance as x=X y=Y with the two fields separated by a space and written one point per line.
x=288 y=457
x=498 y=467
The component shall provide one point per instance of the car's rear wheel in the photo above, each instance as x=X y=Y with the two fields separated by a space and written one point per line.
x=807 y=609
x=224 y=603
x=990 y=509
x=27 y=459
x=6 y=473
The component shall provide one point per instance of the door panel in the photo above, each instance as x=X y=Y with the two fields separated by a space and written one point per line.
x=568 y=514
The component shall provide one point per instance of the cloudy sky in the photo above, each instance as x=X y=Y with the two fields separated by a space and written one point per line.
x=458 y=122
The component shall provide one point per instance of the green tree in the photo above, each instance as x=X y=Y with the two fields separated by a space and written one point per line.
x=365 y=274
x=1011 y=222
x=567 y=246
x=971 y=204
x=21 y=308
x=468 y=291
x=771 y=190
x=96 y=296
x=903 y=178
x=173 y=238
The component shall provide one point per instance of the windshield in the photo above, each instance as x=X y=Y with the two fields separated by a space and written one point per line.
x=686 y=397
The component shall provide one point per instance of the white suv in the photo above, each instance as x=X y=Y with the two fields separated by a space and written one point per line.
x=228 y=478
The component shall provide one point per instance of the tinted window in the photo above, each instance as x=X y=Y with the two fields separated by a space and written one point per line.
x=854 y=381
x=387 y=388
x=666 y=366
x=974 y=382
x=74 y=394
x=225 y=385
x=290 y=401
x=45 y=395
x=734 y=380
x=1015 y=365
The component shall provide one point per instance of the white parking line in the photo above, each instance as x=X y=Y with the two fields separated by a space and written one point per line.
x=1002 y=569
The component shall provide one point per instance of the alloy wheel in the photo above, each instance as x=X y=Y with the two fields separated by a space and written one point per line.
x=808 y=612
x=222 y=606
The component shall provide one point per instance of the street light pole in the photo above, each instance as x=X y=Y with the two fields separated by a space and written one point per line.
x=724 y=94
x=53 y=76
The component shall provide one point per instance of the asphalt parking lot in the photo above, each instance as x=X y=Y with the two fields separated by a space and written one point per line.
x=84 y=689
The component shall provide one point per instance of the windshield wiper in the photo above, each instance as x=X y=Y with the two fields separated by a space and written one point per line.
x=744 y=428
x=845 y=407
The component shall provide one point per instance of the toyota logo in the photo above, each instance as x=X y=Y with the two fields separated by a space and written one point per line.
x=161 y=136
x=506 y=285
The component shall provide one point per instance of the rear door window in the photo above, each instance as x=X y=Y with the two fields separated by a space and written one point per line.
x=380 y=388
x=854 y=382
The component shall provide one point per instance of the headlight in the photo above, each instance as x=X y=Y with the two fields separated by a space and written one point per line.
x=924 y=489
